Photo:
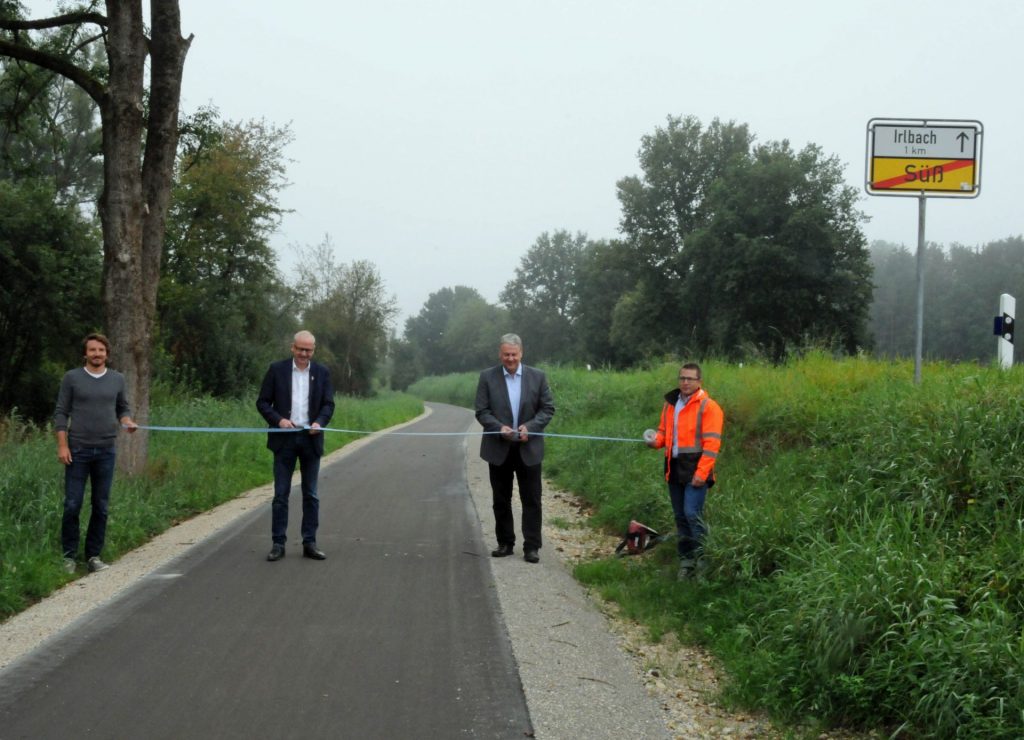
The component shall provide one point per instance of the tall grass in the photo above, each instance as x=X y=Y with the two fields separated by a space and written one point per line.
x=866 y=535
x=187 y=473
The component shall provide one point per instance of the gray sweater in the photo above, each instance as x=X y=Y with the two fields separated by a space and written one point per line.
x=90 y=409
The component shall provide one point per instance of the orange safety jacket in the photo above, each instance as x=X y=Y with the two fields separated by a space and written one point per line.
x=700 y=431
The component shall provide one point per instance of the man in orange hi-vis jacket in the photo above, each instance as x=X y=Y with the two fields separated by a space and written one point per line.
x=691 y=433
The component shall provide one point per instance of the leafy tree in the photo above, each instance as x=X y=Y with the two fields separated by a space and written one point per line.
x=425 y=331
x=681 y=163
x=403 y=370
x=471 y=338
x=50 y=253
x=634 y=333
x=740 y=246
x=542 y=297
x=605 y=276
x=349 y=312
x=49 y=132
x=660 y=211
x=782 y=260
x=50 y=261
x=219 y=288
x=455 y=331
x=136 y=189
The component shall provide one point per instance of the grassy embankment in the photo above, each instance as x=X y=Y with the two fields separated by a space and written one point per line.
x=867 y=535
x=188 y=473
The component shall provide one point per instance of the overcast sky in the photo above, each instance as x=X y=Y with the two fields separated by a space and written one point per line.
x=439 y=139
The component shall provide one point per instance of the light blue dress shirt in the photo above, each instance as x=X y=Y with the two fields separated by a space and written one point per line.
x=514 y=383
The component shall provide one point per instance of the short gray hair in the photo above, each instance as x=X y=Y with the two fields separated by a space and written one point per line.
x=511 y=339
x=304 y=333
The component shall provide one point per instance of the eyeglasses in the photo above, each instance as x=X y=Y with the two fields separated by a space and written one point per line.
x=687 y=377
x=305 y=350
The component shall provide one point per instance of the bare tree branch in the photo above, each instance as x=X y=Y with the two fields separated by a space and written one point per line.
x=85 y=42
x=79 y=76
x=69 y=19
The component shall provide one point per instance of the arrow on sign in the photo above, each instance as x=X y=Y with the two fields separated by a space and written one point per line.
x=963 y=140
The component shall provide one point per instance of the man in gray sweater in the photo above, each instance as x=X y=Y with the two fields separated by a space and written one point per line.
x=91 y=407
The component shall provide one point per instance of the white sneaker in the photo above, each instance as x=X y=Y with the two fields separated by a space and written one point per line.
x=96 y=565
x=69 y=565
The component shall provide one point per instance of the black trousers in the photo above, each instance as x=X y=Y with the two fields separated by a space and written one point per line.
x=529 y=479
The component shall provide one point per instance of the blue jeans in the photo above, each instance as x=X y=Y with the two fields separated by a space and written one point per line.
x=299 y=448
x=688 y=507
x=87 y=463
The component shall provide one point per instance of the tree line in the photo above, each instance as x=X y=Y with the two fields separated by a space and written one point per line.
x=728 y=248
x=962 y=286
x=578 y=315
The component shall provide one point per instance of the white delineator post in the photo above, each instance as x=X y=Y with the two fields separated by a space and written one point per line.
x=1005 y=321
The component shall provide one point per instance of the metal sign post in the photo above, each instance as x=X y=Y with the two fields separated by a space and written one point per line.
x=919 y=324
x=923 y=158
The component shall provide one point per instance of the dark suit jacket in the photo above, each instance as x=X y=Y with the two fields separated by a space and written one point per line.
x=493 y=410
x=275 y=400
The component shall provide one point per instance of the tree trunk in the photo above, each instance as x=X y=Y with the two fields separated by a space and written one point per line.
x=133 y=206
x=121 y=214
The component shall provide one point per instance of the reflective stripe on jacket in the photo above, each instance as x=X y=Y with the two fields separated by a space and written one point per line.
x=700 y=430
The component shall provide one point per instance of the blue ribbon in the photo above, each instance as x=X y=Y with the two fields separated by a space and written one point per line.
x=273 y=430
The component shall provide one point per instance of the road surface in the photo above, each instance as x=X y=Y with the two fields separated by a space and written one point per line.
x=396 y=635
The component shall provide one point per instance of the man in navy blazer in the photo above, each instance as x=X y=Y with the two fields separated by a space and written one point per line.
x=296 y=394
x=514 y=404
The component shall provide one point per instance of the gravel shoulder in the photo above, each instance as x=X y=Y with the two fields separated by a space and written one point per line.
x=577 y=680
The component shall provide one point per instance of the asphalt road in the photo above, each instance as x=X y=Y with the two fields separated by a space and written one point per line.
x=396 y=635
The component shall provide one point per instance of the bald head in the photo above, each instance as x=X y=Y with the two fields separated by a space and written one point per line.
x=303 y=345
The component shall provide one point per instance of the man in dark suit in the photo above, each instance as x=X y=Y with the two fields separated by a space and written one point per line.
x=515 y=402
x=296 y=394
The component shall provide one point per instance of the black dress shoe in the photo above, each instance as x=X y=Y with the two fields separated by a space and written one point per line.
x=531 y=556
x=503 y=551
x=276 y=553
x=309 y=550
